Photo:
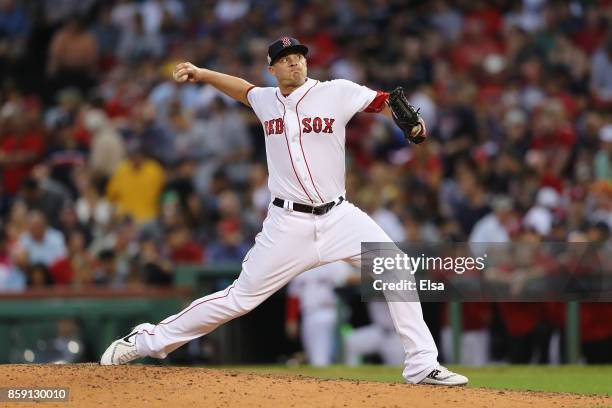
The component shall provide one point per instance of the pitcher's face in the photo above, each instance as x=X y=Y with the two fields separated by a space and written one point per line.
x=290 y=70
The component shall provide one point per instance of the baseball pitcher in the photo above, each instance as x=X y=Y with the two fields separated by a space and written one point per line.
x=310 y=222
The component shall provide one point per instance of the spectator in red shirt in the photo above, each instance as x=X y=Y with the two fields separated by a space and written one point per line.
x=321 y=44
x=77 y=267
x=21 y=147
x=553 y=139
x=490 y=17
x=589 y=38
x=474 y=46
x=182 y=247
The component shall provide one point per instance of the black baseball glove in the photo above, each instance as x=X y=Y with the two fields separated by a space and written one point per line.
x=405 y=115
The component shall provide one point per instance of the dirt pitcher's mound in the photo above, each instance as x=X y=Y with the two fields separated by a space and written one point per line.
x=138 y=386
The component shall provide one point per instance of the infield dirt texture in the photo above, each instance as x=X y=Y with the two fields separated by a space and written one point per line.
x=136 y=386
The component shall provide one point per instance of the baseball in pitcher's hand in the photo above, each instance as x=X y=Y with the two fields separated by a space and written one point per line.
x=185 y=71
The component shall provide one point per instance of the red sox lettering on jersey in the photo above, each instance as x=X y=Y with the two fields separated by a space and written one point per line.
x=316 y=125
x=304 y=166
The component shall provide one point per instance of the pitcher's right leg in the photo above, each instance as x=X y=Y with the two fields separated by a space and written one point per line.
x=282 y=250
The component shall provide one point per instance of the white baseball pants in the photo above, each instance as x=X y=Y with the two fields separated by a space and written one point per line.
x=289 y=244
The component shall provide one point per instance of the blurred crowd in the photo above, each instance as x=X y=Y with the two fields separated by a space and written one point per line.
x=111 y=174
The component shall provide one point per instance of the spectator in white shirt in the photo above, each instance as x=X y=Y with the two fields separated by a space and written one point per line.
x=493 y=227
x=540 y=216
x=41 y=243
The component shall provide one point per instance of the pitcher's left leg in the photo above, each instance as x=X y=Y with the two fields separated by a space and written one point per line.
x=343 y=232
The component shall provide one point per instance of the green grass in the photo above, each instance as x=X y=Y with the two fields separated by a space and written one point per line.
x=575 y=379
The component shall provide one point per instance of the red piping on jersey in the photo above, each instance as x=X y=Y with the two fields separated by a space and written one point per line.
x=300 y=128
x=378 y=103
x=191 y=308
x=289 y=150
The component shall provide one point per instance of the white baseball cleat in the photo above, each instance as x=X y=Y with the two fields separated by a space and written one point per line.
x=443 y=376
x=121 y=351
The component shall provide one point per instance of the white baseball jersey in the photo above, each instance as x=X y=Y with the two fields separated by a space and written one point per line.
x=305 y=135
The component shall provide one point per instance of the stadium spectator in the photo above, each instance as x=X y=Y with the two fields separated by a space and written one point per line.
x=119 y=248
x=156 y=268
x=73 y=55
x=14 y=20
x=11 y=278
x=136 y=185
x=602 y=163
x=38 y=276
x=105 y=274
x=66 y=109
x=21 y=146
x=77 y=267
x=601 y=203
x=226 y=145
x=160 y=15
x=107 y=35
x=418 y=230
x=107 y=148
x=472 y=204
x=92 y=208
x=65 y=156
x=189 y=137
x=601 y=84
x=15 y=26
x=17 y=223
x=230 y=246
x=136 y=45
x=495 y=226
x=182 y=248
x=230 y=10
x=41 y=243
x=540 y=216
x=69 y=223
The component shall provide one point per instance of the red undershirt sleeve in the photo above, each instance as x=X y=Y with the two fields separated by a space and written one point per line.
x=378 y=103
